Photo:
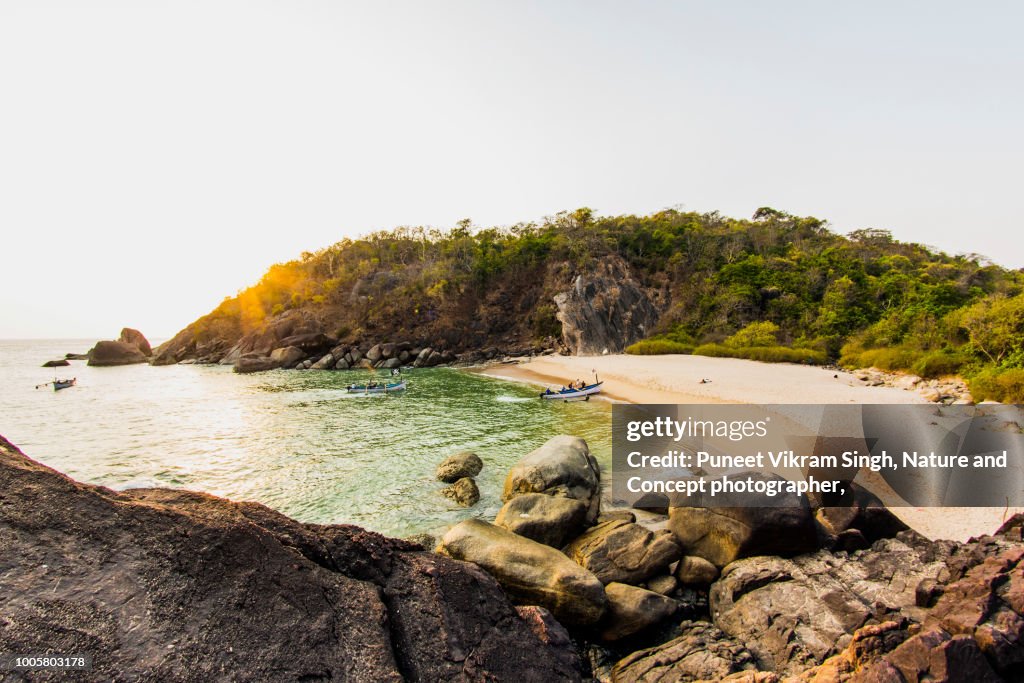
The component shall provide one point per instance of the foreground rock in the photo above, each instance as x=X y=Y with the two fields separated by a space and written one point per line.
x=542 y=518
x=702 y=653
x=561 y=467
x=724 y=534
x=110 y=353
x=455 y=467
x=794 y=613
x=632 y=609
x=173 y=585
x=530 y=572
x=624 y=552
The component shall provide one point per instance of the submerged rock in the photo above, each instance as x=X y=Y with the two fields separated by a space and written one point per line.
x=464 y=492
x=532 y=573
x=564 y=467
x=158 y=584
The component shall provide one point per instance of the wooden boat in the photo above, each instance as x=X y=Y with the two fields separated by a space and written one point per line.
x=375 y=388
x=59 y=384
x=573 y=394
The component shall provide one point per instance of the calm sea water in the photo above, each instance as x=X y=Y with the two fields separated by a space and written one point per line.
x=292 y=440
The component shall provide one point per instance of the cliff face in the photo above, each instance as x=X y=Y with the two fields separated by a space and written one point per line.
x=174 y=585
x=577 y=310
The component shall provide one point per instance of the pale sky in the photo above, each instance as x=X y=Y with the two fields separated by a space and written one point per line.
x=156 y=157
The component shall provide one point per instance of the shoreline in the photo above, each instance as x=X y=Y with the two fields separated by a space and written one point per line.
x=672 y=379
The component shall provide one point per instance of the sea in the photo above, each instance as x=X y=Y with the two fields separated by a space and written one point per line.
x=295 y=441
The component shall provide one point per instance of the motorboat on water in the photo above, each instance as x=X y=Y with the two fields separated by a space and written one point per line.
x=377 y=387
x=582 y=393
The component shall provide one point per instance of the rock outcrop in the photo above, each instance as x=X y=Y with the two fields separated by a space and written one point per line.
x=702 y=653
x=563 y=467
x=531 y=573
x=604 y=310
x=136 y=339
x=110 y=353
x=173 y=585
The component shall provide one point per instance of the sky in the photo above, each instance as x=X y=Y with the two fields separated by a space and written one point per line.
x=156 y=157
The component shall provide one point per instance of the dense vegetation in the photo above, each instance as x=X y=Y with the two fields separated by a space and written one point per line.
x=775 y=287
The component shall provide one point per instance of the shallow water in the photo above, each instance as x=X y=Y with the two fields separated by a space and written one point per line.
x=293 y=440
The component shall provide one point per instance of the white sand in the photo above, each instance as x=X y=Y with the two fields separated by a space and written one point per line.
x=677 y=379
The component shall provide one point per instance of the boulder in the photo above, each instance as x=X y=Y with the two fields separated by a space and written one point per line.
x=61 y=363
x=623 y=552
x=605 y=309
x=108 y=353
x=665 y=584
x=459 y=465
x=794 y=613
x=287 y=356
x=632 y=609
x=136 y=339
x=171 y=585
x=357 y=356
x=248 y=364
x=387 y=351
x=391 y=363
x=374 y=354
x=561 y=467
x=326 y=362
x=342 y=364
x=435 y=358
x=422 y=357
x=702 y=653
x=724 y=534
x=861 y=510
x=696 y=571
x=530 y=572
x=547 y=629
x=546 y=519
x=464 y=492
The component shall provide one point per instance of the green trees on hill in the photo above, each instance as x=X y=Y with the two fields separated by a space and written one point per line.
x=775 y=287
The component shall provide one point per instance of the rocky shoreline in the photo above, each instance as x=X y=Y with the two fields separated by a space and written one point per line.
x=174 y=585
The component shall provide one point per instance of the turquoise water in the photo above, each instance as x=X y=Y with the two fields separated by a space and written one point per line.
x=293 y=440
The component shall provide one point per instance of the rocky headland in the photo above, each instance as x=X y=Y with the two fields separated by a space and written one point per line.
x=173 y=585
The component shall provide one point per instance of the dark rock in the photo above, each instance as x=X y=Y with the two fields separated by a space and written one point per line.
x=56 y=363
x=387 y=351
x=546 y=519
x=375 y=353
x=173 y=585
x=464 y=492
x=325 y=362
x=459 y=465
x=136 y=339
x=530 y=572
x=391 y=363
x=109 y=353
x=543 y=625
x=76 y=356
x=564 y=467
x=724 y=534
x=861 y=510
x=702 y=653
x=604 y=310
x=423 y=541
x=619 y=551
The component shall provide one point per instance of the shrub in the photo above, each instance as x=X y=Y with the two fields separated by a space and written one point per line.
x=883 y=359
x=658 y=347
x=755 y=334
x=938 y=364
x=1006 y=386
x=765 y=354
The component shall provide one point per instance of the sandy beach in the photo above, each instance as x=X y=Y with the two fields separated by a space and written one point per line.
x=677 y=379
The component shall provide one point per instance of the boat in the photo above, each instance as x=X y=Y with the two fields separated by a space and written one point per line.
x=583 y=393
x=375 y=388
x=59 y=384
